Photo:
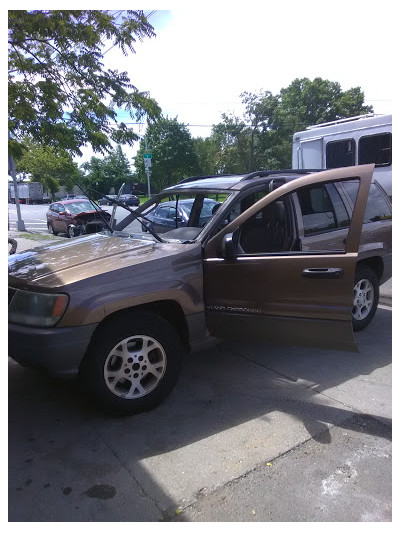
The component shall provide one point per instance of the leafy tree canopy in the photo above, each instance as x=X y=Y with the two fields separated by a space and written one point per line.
x=59 y=93
x=103 y=175
x=173 y=154
x=262 y=138
x=51 y=168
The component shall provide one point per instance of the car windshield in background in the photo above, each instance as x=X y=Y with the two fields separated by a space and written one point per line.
x=191 y=210
x=182 y=216
x=79 y=207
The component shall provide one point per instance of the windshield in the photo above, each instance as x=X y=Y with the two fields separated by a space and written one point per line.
x=176 y=216
x=79 y=207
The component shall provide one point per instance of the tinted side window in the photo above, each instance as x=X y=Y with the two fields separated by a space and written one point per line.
x=316 y=209
x=341 y=153
x=341 y=214
x=322 y=209
x=375 y=149
x=377 y=207
x=163 y=212
x=267 y=231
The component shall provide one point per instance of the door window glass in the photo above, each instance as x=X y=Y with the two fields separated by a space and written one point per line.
x=267 y=231
x=316 y=210
x=163 y=212
x=342 y=216
x=377 y=206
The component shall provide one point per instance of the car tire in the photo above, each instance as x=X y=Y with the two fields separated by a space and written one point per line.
x=366 y=297
x=132 y=363
x=50 y=229
x=71 y=232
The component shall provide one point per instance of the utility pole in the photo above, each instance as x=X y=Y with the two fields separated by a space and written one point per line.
x=12 y=171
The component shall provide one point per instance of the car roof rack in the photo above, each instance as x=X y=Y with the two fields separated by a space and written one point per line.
x=195 y=178
x=266 y=173
x=256 y=174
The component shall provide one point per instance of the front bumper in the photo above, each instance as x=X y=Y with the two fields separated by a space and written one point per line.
x=57 y=350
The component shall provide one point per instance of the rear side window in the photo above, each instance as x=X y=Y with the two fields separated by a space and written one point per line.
x=375 y=149
x=322 y=209
x=341 y=153
x=377 y=207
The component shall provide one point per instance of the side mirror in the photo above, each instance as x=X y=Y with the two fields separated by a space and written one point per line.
x=178 y=219
x=229 y=246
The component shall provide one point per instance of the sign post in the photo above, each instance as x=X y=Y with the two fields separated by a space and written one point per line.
x=147 y=167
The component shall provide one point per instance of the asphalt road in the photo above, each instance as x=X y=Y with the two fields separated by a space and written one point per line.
x=251 y=433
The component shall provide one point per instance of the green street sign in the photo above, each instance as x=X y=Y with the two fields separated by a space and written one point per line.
x=147 y=154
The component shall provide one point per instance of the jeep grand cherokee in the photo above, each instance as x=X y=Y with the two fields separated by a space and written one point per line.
x=279 y=261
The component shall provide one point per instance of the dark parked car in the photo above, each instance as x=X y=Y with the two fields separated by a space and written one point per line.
x=169 y=215
x=75 y=217
x=129 y=199
x=106 y=201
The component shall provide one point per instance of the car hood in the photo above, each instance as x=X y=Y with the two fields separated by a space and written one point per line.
x=73 y=260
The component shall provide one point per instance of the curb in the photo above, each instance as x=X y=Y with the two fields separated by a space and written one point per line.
x=385 y=299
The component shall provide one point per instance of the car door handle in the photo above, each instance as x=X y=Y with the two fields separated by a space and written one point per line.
x=323 y=273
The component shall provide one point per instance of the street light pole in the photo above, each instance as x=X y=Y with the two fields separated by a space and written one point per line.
x=12 y=170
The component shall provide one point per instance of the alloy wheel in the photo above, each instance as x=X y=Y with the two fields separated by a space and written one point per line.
x=363 y=299
x=135 y=366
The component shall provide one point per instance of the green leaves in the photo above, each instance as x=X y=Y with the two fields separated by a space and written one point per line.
x=173 y=152
x=262 y=138
x=57 y=78
x=112 y=171
x=46 y=165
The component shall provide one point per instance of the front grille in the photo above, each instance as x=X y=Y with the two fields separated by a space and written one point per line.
x=11 y=293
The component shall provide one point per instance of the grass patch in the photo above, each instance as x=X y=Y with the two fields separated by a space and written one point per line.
x=35 y=236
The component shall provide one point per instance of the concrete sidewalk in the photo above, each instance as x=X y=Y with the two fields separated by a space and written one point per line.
x=33 y=240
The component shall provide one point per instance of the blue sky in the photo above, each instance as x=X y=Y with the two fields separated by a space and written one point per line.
x=204 y=57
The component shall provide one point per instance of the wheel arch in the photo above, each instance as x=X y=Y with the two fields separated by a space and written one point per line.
x=169 y=310
x=375 y=263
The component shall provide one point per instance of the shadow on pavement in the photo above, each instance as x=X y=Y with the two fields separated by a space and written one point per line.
x=235 y=405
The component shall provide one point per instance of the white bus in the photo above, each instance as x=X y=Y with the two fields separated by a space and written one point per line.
x=350 y=141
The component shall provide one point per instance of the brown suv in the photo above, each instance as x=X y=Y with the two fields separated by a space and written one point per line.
x=280 y=260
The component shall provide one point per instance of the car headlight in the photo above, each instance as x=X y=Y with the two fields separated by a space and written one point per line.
x=36 y=308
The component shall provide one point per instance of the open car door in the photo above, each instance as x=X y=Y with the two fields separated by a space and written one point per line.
x=286 y=296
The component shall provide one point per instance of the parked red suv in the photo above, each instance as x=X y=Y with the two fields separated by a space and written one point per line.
x=76 y=217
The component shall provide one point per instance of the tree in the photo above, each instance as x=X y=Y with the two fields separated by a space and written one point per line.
x=101 y=175
x=50 y=167
x=263 y=137
x=305 y=102
x=59 y=92
x=207 y=155
x=173 y=154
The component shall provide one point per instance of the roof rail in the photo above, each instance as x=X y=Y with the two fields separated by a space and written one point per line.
x=265 y=173
x=256 y=174
x=195 y=178
x=341 y=120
